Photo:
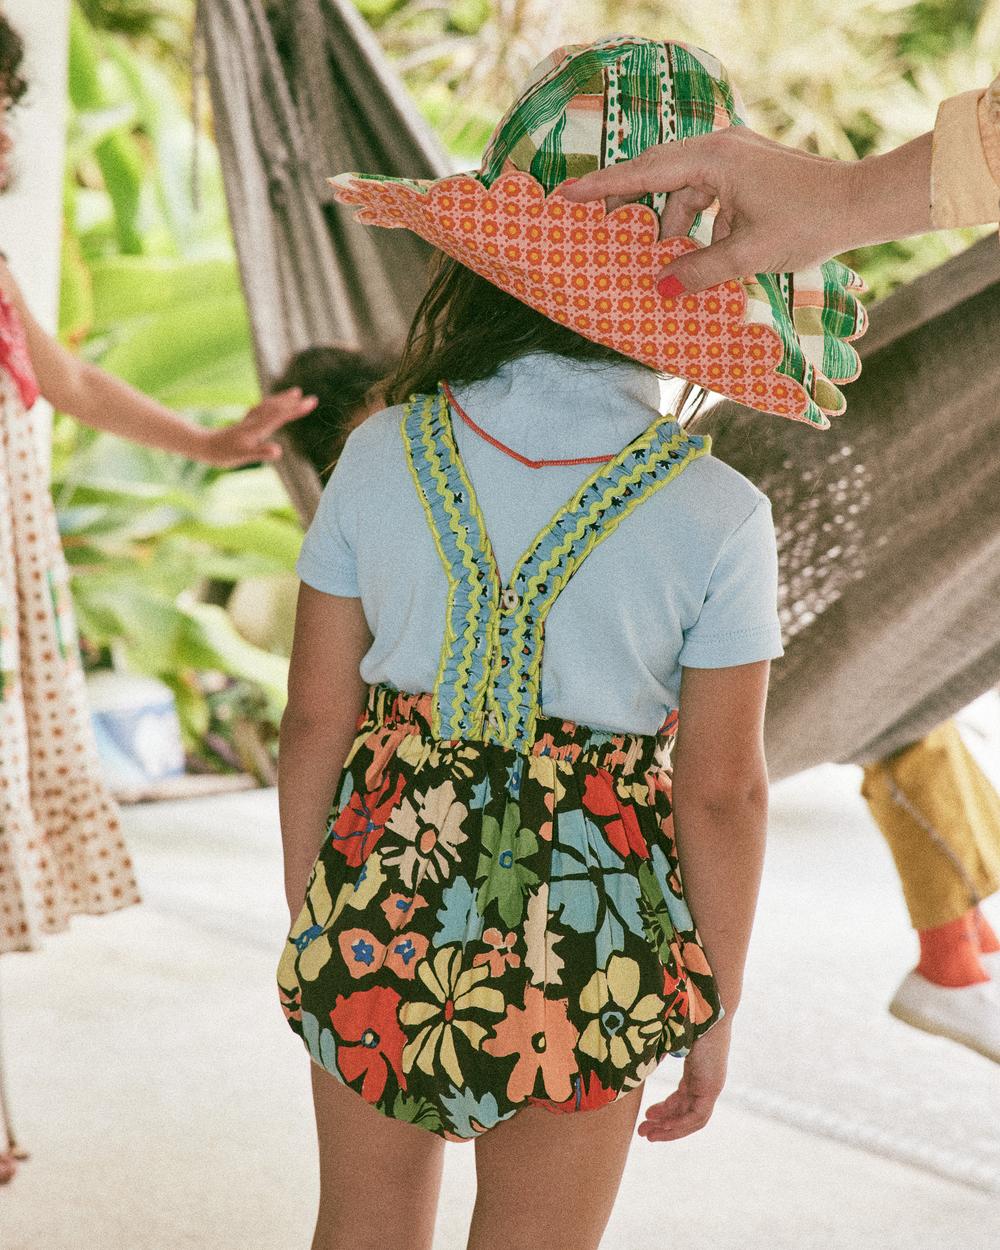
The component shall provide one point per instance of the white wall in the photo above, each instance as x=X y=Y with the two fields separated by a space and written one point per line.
x=31 y=211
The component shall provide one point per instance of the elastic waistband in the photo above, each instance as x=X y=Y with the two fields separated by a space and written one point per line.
x=616 y=751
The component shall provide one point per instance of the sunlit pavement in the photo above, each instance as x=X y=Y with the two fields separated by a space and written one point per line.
x=166 y=1103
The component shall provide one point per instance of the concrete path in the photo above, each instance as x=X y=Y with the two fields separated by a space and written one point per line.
x=166 y=1104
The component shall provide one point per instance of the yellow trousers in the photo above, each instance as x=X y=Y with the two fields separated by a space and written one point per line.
x=941 y=819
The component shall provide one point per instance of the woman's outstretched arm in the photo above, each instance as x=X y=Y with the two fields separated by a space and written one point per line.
x=782 y=209
x=107 y=403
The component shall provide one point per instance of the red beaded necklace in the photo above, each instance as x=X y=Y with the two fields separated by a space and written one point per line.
x=509 y=451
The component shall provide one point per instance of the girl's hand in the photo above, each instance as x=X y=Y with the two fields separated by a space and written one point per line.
x=690 y=1106
x=249 y=440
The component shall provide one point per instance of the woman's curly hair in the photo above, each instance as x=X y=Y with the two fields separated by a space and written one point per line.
x=12 y=84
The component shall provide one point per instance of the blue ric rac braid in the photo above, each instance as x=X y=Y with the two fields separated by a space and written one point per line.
x=462 y=543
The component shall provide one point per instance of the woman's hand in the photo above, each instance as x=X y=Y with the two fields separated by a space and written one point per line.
x=779 y=209
x=250 y=439
x=690 y=1106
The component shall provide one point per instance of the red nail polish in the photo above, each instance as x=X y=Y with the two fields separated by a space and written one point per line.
x=670 y=285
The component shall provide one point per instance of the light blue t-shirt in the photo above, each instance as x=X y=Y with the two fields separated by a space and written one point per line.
x=688 y=579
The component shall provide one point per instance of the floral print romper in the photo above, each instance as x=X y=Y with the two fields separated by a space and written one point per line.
x=496 y=916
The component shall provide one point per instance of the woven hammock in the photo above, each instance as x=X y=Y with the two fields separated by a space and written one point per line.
x=888 y=525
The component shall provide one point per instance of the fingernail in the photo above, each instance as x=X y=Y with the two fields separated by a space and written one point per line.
x=670 y=285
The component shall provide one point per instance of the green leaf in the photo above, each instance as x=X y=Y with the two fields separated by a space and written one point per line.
x=248 y=492
x=76 y=295
x=204 y=349
x=212 y=641
x=377 y=11
x=127 y=287
x=278 y=540
x=468 y=16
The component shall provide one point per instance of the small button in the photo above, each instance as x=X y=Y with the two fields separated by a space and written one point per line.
x=509 y=600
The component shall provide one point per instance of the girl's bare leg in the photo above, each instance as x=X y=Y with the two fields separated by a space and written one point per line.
x=551 y=1180
x=379 y=1178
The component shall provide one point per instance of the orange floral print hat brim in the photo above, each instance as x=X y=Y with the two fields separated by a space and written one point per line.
x=778 y=343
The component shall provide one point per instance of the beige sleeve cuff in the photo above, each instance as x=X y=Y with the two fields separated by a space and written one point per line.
x=965 y=160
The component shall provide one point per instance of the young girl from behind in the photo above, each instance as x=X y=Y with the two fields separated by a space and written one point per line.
x=522 y=783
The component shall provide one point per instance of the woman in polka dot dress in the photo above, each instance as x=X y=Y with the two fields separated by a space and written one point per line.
x=61 y=849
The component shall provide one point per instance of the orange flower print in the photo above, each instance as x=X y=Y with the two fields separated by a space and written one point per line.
x=586 y=1096
x=542 y=1036
x=364 y=954
x=502 y=955
x=600 y=798
x=399 y=908
x=357 y=829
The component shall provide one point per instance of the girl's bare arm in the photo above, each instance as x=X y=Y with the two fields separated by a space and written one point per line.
x=107 y=403
x=720 y=794
x=720 y=810
x=325 y=698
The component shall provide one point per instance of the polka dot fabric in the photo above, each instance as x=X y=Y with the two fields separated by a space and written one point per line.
x=594 y=272
x=61 y=848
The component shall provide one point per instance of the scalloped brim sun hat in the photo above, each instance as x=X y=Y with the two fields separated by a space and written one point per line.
x=778 y=343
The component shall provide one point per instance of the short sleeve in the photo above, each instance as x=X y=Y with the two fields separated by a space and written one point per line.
x=327 y=559
x=738 y=623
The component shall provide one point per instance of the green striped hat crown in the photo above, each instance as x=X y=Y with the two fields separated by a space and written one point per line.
x=591 y=105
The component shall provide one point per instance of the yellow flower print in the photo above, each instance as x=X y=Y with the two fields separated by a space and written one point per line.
x=454 y=993
x=636 y=792
x=431 y=833
x=359 y=893
x=453 y=757
x=622 y=1024
x=307 y=949
x=416 y=751
x=545 y=769
x=457 y=758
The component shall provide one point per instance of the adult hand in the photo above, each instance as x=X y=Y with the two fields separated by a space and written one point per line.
x=248 y=440
x=690 y=1106
x=778 y=208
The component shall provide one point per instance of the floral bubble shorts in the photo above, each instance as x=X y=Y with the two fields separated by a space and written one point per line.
x=485 y=929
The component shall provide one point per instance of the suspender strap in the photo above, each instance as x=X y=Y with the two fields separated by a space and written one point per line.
x=658 y=456
x=473 y=587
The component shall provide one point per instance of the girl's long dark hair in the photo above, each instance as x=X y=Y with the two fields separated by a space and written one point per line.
x=465 y=328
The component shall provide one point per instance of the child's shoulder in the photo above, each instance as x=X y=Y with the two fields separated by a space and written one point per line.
x=375 y=438
x=720 y=493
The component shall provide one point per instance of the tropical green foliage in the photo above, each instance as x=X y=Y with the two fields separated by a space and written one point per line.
x=151 y=293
